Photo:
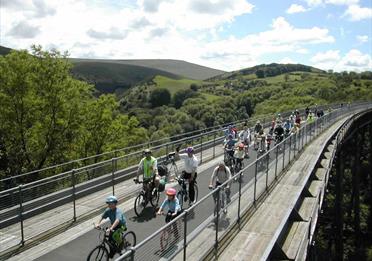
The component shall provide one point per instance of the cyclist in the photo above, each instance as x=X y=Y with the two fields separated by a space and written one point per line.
x=239 y=155
x=279 y=132
x=287 y=127
x=148 y=166
x=191 y=165
x=257 y=127
x=174 y=208
x=230 y=131
x=245 y=137
x=229 y=147
x=118 y=224
x=220 y=175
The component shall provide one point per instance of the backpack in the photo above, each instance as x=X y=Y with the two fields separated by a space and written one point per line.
x=162 y=170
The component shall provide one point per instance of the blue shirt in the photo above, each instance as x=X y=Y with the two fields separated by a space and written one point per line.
x=173 y=206
x=113 y=215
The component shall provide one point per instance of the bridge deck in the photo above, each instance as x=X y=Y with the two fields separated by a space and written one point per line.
x=257 y=238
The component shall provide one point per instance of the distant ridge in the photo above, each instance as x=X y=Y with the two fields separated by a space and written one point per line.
x=176 y=67
x=268 y=70
x=4 y=50
x=110 y=76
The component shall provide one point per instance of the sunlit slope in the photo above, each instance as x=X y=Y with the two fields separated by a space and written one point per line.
x=176 y=67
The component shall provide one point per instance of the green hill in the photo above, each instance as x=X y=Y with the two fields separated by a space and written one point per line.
x=4 y=50
x=267 y=70
x=110 y=77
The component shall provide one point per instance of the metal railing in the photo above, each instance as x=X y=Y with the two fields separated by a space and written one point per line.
x=200 y=221
x=19 y=204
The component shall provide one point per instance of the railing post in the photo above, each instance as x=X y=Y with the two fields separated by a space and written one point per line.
x=276 y=162
x=201 y=149
x=283 y=153
x=240 y=195
x=214 y=144
x=217 y=221
x=255 y=183
x=113 y=169
x=73 y=182
x=185 y=234
x=267 y=168
x=166 y=149
x=290 y=147
x=21 y=214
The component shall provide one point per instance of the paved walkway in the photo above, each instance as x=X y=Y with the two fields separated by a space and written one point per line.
x=257 y=237
x=89 y=203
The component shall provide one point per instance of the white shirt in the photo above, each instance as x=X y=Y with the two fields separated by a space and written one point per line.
x=244 y=134
x=191 y=163
x=220 y=175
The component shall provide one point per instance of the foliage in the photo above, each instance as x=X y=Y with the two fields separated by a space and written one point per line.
x=48 y=117
x=160 y=97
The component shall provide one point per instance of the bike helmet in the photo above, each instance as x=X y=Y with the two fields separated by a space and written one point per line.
x=171 y=192
x=111 y=199
x=147 y=151
x=189 y=150
x=221 y=163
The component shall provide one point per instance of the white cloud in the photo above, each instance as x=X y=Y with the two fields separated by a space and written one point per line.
x=313 y=3
x=295 y=8
x=342 y=2
x=175 y=29
x=326 y=57
x=354 y=60
x=23 y=30
x=357 y=13
x=287 y=60
x=362 y=38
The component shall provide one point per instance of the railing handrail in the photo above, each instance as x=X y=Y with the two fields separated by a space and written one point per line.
x=230 y=180
x=217 y=128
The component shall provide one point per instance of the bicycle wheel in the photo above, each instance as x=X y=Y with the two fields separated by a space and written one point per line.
x=196 y=193
x=164 y=239
x=98 y=253
x=129 y=239
x=180 y=198
x=139 y=204
x=154 y=197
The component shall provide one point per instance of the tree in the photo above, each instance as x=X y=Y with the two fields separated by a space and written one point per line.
x=180 y=96
x=159 y=97
x=260 y=74
x=194 y=87
x=41 y=108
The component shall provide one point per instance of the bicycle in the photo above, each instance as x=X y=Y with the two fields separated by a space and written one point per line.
x=172 y=170
x=101 y=251
x=166 y=235
x=144 y=197
x=222 y=204
x=183 y=193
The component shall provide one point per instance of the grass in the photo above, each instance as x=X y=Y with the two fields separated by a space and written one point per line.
x=174 y=85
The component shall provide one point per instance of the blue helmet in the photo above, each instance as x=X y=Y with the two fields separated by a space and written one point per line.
x=111 y=199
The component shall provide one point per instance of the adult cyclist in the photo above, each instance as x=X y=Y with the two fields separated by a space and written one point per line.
x=245 y=138
x=117 y=227
x=149 y=168
x=279 y=133
x=229 y=148
x=190 y=173
x=220 y=175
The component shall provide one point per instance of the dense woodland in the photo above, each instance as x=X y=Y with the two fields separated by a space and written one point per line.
x=49 y=116
x=344 y=229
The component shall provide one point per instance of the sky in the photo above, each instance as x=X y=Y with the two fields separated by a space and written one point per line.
x=222 y=34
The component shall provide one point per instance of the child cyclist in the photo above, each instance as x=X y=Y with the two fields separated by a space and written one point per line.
x=118 y=224
x=174 y=208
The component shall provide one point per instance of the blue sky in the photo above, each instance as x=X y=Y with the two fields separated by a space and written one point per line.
x=223 y=34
